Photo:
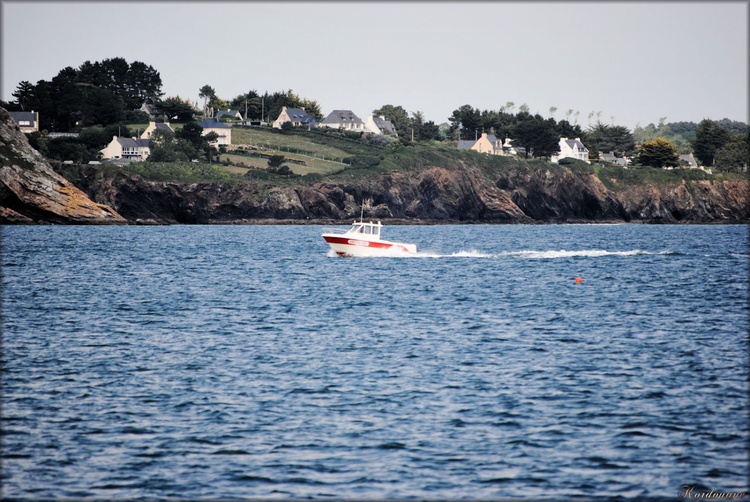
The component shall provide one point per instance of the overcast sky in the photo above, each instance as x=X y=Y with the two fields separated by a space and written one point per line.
x=634 y=62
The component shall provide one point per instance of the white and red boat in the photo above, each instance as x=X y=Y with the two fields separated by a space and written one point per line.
x=363 y=239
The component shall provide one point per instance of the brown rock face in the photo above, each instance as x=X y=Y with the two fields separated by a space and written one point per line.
x=31 y=192
x=516 y=194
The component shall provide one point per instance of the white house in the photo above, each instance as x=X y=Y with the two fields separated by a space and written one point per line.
x=235 y=114
x=152 y=126
x=297 y=116
x=343 y=119
x=26 y=121
x=688 y=160
x=224 y=131
x=614 y=159
x=572 y=149
x=126 y=148
x=380 y=125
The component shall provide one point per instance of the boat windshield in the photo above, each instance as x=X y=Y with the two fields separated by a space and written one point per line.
x=364 y=228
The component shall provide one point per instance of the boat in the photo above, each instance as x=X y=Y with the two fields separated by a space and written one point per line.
x=363 y=239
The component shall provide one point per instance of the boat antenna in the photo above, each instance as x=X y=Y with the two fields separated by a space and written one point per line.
x=362 y=210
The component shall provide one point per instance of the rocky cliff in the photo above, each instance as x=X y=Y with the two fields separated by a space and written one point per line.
x=31 y=192
x=520 y=193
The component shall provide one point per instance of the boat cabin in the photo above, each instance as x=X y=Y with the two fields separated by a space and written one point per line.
x=368 y=229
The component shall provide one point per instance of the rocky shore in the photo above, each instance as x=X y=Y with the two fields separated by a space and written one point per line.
x=32 y=192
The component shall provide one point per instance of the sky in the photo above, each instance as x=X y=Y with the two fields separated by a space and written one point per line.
x=625 y=63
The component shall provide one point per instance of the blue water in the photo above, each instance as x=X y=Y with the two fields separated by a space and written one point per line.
x=210 y=362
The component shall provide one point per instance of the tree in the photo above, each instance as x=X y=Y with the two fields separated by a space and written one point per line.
x=608 y=138
x=208 y=93
x=398 y=116
x=709 y=138
x=467 y=121
x=734 y=155
x=657 y=153
x=566 y=130
x=276 y=165
x=176 y=107
x=24 y=95
x=537 y=136
x=209 y=149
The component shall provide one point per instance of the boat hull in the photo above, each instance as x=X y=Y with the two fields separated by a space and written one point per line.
x=344 y=245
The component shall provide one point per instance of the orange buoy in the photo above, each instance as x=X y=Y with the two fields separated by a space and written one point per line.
x=579 y=280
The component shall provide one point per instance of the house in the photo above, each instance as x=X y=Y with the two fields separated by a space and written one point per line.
x=224 y=131
x=149 y=108
x=232 y=114
x=297 y=117
x=126 y=148
x=380 y=125
x=152 y=126
x=688 y=160
x=343 y=119
x=613 y=159
x=487 y=143
x=28 y=122
x=571 y=149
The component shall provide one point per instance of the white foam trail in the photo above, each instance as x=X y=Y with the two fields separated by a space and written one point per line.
x=537 y=255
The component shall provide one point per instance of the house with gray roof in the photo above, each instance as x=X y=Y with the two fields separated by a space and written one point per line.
x=343 y=119
x=297 y=117
x=613 y=159
x=152 y=126
x=380 y=125
x=487 y=143
x=224 y=131
x=28 y=122
x=126 y=148
x=571 y=149
x=233 y=114
x=688 y=160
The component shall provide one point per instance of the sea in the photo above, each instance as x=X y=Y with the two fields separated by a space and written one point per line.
x=565 y=362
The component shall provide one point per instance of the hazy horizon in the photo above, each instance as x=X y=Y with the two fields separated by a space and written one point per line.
x=630 y=63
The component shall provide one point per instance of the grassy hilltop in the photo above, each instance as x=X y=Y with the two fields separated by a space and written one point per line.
x=319 y=155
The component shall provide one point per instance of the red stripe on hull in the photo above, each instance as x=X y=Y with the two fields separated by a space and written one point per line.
x=358 y=243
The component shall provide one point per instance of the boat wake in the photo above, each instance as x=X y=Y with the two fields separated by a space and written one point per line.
x=541 y=255
x=525 y=254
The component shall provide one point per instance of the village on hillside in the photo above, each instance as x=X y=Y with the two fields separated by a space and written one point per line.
x=127 y=149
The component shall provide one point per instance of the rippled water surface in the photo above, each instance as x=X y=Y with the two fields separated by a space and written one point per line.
x=244 y=361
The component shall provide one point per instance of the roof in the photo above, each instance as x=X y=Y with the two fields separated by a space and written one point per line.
x=342 y=117
x=492 y=138
x=575 y=144
x=213 y=124
x=688 y=157
x=232 y=113
x=299 y=115
x=133 y=143
x=25 y=116
x=384 y=124
x=465 y=144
